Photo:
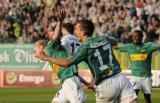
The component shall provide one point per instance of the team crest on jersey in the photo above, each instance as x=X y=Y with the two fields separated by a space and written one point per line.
x=138 y=48
x=98 y=44
x=55 y=68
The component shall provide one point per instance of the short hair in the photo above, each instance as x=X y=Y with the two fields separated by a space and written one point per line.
x=40 y=43
x=69 y=27
x=139 y=33
x=87 y=26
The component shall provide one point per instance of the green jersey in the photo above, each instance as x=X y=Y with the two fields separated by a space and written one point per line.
x=140 y=56
x=55 y=49
x=98 y=54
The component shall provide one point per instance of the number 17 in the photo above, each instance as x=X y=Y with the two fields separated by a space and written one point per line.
x=100 y=58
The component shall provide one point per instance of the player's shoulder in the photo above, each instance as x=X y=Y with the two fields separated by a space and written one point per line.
x=149 y=43
x=122 y=44
x=72 y=37
x=152 y=45
x=50 y=43
x=69 y=37
x=95 y=42
x=53 y=43
x=129 y=45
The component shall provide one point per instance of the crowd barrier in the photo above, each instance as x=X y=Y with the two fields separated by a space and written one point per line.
x=20 y=68
x=47 y=79
x=16 y=56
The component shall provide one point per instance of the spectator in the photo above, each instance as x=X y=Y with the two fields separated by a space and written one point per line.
x=109 y=16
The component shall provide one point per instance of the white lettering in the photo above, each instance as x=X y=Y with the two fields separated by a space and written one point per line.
x=25 y=56
x=97 y=44
x=4 y=57
x=34 y=79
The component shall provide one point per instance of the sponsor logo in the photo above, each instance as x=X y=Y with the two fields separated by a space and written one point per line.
x=11 y=78
x=34 y=79
x=138 y=56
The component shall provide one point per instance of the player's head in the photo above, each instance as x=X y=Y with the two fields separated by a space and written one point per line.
x=137 y=37
x=68 y=28
x=84 y=28
x=40 y=46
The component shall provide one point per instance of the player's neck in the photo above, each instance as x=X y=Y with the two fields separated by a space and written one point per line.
x=138 y=43
x=66 y=33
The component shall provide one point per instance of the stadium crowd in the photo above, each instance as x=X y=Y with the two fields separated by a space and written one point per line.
x=26 y=21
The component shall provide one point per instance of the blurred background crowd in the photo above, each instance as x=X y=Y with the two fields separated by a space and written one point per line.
x=26 y=21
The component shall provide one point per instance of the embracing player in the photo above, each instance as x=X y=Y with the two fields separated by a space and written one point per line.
x=71 y=89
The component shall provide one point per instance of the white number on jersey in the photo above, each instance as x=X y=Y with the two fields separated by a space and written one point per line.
x=74 y=46
x=100 y=58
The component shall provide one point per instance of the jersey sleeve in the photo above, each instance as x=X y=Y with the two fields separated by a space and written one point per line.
x=153 y=46
x=124 y=48
x=51 y=46
x=79 y=55
x=111 y=40
x=64 y=42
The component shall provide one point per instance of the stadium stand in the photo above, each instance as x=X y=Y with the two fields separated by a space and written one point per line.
x=26 y=21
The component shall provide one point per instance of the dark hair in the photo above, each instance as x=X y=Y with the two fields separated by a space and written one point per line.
x=139 y=33
x=87 y=26
x=69 y=27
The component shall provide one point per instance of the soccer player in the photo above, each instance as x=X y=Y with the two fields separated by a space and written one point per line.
x=71 y=90
x=111 y=85
x=68 y=40
x=140 y=56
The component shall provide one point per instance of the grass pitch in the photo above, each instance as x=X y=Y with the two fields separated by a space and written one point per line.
x=45 y=95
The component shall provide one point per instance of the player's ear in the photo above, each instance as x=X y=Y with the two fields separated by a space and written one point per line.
x=41 y=47
x=44 y=50
x=35 y=51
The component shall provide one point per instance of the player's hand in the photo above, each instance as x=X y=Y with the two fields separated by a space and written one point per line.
x=42 y=55
x=59 y=13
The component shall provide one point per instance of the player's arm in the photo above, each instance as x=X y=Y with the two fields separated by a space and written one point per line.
x=122 y=48
x=79 y=56
x=86 y=83
x=154 y=46
x=58 y=61
x=150 y=46
x=60 y=15
x=115 y=44
x=112 y=41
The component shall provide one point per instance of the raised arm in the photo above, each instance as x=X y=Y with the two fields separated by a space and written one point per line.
x=60 y=15
x=122 y=48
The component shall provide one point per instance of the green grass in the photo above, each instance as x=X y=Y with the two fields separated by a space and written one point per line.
x=43 y=95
